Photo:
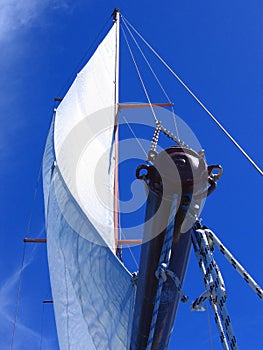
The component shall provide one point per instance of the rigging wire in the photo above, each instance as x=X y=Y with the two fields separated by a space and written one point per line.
x=136 y=138
x=140 y=77
x=130 y=251
x=145 y=153
x=155 y=76
x=34 y=199
x=23 y=256
x=18 y=296
x=197 y=100
x=42 y=326
x=83 y=58
x=158 y=124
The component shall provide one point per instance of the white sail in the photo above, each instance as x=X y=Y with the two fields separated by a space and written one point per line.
x=83 y=138
x=92 y=291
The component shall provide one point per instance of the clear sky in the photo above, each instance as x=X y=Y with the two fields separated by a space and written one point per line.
x=217 y=49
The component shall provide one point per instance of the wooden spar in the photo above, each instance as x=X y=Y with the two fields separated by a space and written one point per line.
x=120 y=241
x=116 y=17
x=35 y=240
x=129 y=241
x=143 y=105
x=47 y=301
x=58 y=99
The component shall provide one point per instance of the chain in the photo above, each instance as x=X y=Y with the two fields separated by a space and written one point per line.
x=159 y=128
x=172 y=136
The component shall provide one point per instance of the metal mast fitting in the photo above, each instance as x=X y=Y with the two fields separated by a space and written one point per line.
x=177 y=181
x=116 y=14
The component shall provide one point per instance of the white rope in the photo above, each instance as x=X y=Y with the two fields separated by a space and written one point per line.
x=207 y=282
x=216 y=286
x=197 y=100
x=209 y=329
x=237 y=266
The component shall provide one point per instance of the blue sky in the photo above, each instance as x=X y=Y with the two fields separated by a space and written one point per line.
x=217 y=49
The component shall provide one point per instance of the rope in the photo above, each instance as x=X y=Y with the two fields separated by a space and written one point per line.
x=159 y=127
x=163 y=271
x=18 y=296
x=207 y=282
x=139 y=75
x=237 y=266
x=130 y=251
x=197 y=100
x=33 y=200
x=23 y=255
x=163 y=263
x=155 y=76
x=216 y=287
x=83 y=58
x=136 y=138
x=42 y=327
x=209 y=329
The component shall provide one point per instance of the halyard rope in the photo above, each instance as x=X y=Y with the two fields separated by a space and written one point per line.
x=215 y=287
x=162 y=272
x=237 y=266
x=214 y=307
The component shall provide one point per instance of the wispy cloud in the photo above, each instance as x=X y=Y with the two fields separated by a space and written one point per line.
x=7 y=297
x=16 y=15
x=18 y=20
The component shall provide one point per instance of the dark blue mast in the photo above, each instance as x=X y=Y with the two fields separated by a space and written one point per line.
x=172 y=183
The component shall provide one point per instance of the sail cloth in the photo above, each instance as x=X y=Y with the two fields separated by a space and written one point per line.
x=92 y=291
x=83 y=138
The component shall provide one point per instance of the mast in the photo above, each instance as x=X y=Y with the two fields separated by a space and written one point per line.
x=116 y=18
